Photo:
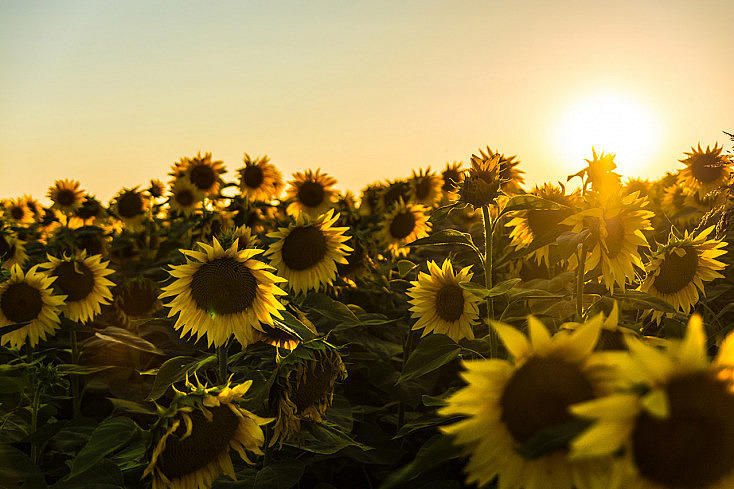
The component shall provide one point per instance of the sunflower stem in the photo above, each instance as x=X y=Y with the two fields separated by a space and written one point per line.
x=580 y=283
x=35 y=406
x=407 y=349
x=75 y=387
x=488 y=254
x=222 y=371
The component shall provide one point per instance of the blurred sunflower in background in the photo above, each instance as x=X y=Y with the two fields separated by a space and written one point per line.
x=220 y=293
x=130 y=206
x=28 y=297
x=441 y=305
x=311 y=192
x=452 y=177
x=307 y=251
x=677 y=270
x=599 y=174
x=676 y=208
x=201 y=171
x=185 y=197
x=359 y=265
x=135 y=299
x=12 y=249
x=392 y=193
x=65 y=195
x=402 y=225
x=672 y=427
x=194 y=435
x=509 y=403
x=91 y=213
x=260 y=180
x=426 y=187
x=369 y=199
x=705 y=170
x=82 y=279
x=157 y=189
x=19 y=211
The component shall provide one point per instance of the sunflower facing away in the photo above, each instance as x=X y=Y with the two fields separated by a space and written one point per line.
x=66 y=195
x=220 y=292
x=677 y=270
x=510 y=175
x=307 y=251
x=452 y=177
x=194 y=435
x=508 y=403
x=135 y=299
x=82 y=279
x=482 y=182
x=674 y=429
x=705 y=170
x=130 y=205
x=676 y=208
x=441 y=305
x=28 y=297
x=12 y=250
x=260 y=180
x=402 y=225
x=311 y=192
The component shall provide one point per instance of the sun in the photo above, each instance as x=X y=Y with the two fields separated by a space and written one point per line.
x=612 y=122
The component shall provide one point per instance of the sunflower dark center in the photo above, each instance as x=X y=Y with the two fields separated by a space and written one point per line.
x=304 y=247
x=423 y=188
x=450 y=180
x=676 y=272
x=6 y=249
x=202 y=176
x=92 y=243
x=17 y=212
x=450 y=302
x=185 y=197
x=223 y=286
x=311 y=194
x=65 y=197
x=402 y=225
x=253 y=176
x=395 y=192
x=615 y=235
x=130 y=204
x=137 y=299
x=21 y=302
x=76 y=282
x=694 y=446
x=205 y=444
x=89 y=209
x=706 y=169
x=539 y=393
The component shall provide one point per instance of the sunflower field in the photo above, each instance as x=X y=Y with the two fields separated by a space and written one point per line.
x=447 y=329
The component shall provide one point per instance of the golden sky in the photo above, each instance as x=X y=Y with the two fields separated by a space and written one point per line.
x=113 y=93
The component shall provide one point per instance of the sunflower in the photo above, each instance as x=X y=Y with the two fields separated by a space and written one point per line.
x=639 y=185
x=482 y=182
x=359 y=264
x=34 y=206
x=82 y=279
x=66 y=195
x=441 y=305
x=12 y=250
x=19 y=211
x=185 y=197
x=509 y=404
x=245 y=238
x=91 y=213
x=677 y=270
x=201 y=171
x=307 y=251
x=426 y=187
x=194 y=435
x=369 y=198
x=28 y=298
x=673 y=427
x=260 y=180
x=311 y=192
x=533 y=224
x=393 y=192
x=220 y=292
x=675 y=206
x=135 y=299
x=156 y=189
x=616 y=226
x=705 y=170
x=452 y=177
x=510 y=175
x=402 y=225
x=306 y=390
x=130 y=205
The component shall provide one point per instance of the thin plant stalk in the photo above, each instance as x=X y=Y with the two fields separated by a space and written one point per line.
x=222 y=371
x=488 y=264
x=407 y=349
x=580 y=282
x=75 y=380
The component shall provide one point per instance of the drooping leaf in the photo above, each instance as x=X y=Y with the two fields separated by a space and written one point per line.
x=503 y=287
x=444 y=211
x=568 y=242
x=122 y=336
x=17 y=470
x=174 y=370
x=110 y=435
x=445 y=236
x=528 y=202
x=324 y=438
x=475 y=288
x=404 y=267
x=330 y=308
x=645 y=300
x=432 y=352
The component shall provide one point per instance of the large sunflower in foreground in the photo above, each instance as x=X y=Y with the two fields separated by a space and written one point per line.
x=28 y=297
x=441 y=305
x=677 y=270
x=307 y=251
x=616 y=226
x=402 y=225
x=220 y=292
x=131 y=205
x=705 y=170
x=673 y=429
x=12 y=250
x=260 y=180
x=66 y=195
x=508 y=404
x=311 y=192
x=194 y=435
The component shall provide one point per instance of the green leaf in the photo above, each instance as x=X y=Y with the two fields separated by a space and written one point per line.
x=331 y=309
x=432 y=352
x=645 y=300
x=74 y=369
x=110 y=435
x=129 y=406
x=103 y=475
x=503 y=287
x=324 y=438
x=553 y=437
x=445 y=236
x=528 y=202
x=12 y=385
x=569 y=242
x=17 y=470
x=404 y=267
x=293 y=325
x=444 y=211
x=174 y=370
x=122 y=336
x=437 y=450
x=475 y=288
x=280 y=474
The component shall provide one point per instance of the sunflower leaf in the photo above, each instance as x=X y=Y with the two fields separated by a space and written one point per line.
x=280 y=474
x=503 y=287
x=122 y=336
x=444 y=211
x=568 y=243
x=437 y=450
x=432 y=352
x=528 y=202
x=552 y=438
x=17 y=470
x=173 y=370
x=475 y=288
x=643 y=299
x=404 y=267
x=110 y=435
x=445 y=236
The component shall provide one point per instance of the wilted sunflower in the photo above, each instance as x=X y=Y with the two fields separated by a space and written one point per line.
x=66 y=195
x=185 y=197
x=223 y=292
x=402 y=225
x=508 y=404
x=675 y=430
x=482 y=182
x=135 y=299
x=307 y=251
x=510 y=175
x=260 y=180
x=616 y=226
x=306 y=390
x=19 y=211
x=677 y=270
x=82 y=279
x=194 y=435
x=426 y=187
x=28 y=297
x=452 y=177
x=441 y=305
x=311 y=192
x=130 y=205
x=705 y=170
x=201 y=171
x=12 y=250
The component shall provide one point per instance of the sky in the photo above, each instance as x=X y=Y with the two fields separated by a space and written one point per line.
x=113 y=93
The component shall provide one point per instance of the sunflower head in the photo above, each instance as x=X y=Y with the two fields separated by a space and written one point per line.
x=426 y=187
x=19 y=211
x=452 y=177
x=156 y=189
x=311 y=192
x=12 y=249
x=90 y=213
x=260 y=180
x=66 y=195
x=394 y=192
x=402 y=225
x=510 y=175
x=201 y=171
x=482 y=183
x=185 y=197
x=193 y=436
x=370 y=198
x=705 y=170
x=131 y=206
x=359 y=264
x=135 y=299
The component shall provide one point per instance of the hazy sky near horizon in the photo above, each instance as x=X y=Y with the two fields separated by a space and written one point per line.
x=113 y=93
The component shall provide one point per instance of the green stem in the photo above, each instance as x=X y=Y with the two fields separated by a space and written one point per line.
x=222 y=371
x=580 y=284
x=35 y=405
x=407 y=349
x=488 y=263
x=75 y=387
